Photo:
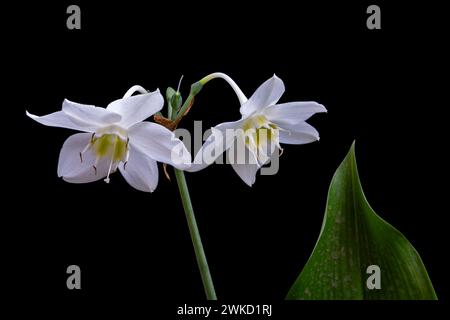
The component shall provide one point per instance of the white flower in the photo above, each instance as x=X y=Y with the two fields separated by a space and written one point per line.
x=115 y=137
x=263 y=126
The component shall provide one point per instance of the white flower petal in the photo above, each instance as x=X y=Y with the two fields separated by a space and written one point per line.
x=266 y=95
x=214 y=145
x=300 y=133
x=244 y=162
x=90 y=114
x=293 y=112
x=160 y=144
x=140 y=171
x=62 y=120
x=264 y=151
x=76 y=169
x=137 y=108
x=247 y=172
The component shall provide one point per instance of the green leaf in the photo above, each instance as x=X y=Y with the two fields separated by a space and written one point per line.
x=354 y=237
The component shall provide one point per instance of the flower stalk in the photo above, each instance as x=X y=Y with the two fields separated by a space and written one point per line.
x=195 y=236
x=189 y=210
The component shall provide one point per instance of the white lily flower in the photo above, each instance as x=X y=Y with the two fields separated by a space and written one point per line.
x=116 y=138
x=263 y=126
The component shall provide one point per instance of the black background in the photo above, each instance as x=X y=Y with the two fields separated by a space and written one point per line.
x=380 y=87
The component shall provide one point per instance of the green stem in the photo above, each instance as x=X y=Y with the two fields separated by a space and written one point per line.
x=187 y=205
x=185 y=105
x=195 y=236
x=169 y=112
x=195 y=89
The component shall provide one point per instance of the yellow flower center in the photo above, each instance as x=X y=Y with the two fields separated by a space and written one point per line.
x=261 y=137
x=110 y=145
x=260 y=131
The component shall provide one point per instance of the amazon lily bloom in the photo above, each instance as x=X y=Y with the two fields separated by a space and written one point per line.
x=114 y=138
x=263 y=126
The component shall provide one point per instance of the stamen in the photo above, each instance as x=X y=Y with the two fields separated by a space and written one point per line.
x=109 y=171
x=126 y=159
x=86 y=148
x=165 y=171
x=95 y=165
x=253 y=147
x=111 y=162
x=252 y=142
x=262 y=145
